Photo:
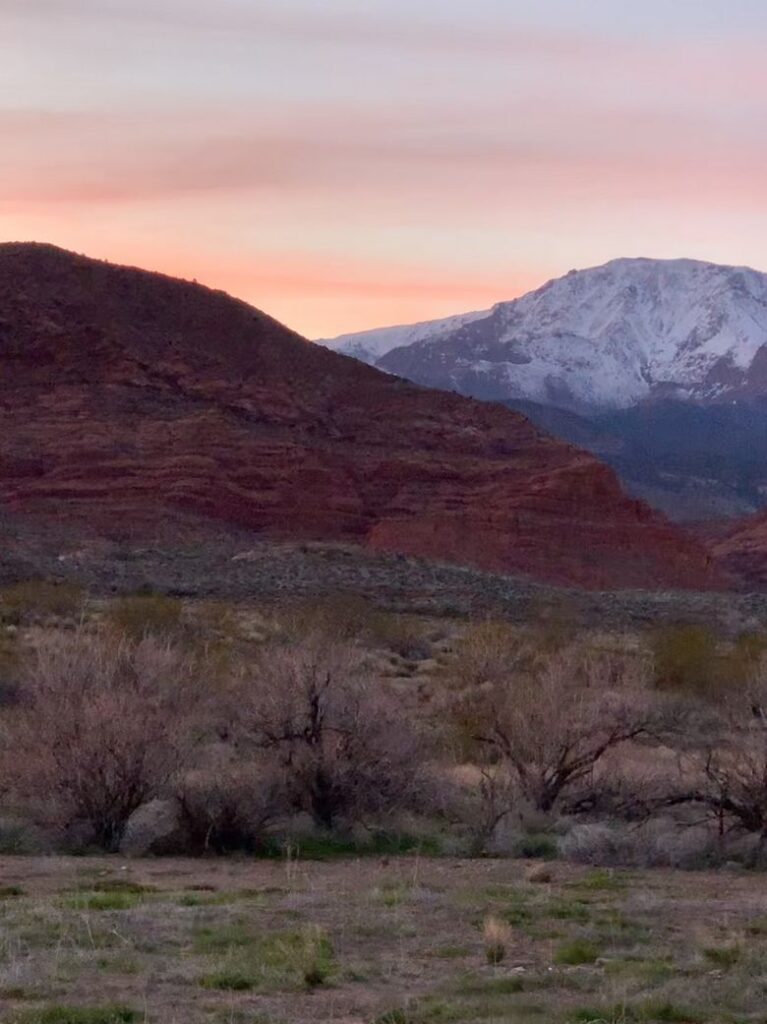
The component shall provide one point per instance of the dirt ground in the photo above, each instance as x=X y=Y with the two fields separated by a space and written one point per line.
x=107 y=941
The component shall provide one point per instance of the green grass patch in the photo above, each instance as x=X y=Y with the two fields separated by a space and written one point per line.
x=451 y=952
x=78 y=1015
x=472 y=986
x=392 y=893
x=512 y=904
x=224 y=897
x=109 y=900
x=722 y=956
x=577 y=952
x=603 y=880
x=121 y=885
x=645 y=1013
x=535 y=846
x=568 y=910
x=289 y=961
x=230 y=981
x=10 y=891
x=224 y=938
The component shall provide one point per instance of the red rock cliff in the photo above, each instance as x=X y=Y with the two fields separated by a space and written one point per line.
x=127 y=396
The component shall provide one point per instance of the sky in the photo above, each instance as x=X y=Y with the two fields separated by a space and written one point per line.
x=349 y=164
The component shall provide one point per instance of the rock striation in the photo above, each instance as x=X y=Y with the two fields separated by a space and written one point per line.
x=129 y=399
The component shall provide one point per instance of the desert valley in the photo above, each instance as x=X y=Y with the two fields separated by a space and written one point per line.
x=383 y=512
x=383 y=651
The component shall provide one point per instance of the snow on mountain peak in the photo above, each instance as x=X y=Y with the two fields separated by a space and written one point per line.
x=606 y=337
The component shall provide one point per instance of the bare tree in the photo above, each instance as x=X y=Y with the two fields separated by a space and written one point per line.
x=726 y=763
x=102 y=726
x=552 y=720
x=338 y=737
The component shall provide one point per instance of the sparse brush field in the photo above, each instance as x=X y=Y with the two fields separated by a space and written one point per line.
x=385 y=817
x=405 y=941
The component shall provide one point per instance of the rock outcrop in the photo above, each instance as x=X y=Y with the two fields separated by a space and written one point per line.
x=128 y=398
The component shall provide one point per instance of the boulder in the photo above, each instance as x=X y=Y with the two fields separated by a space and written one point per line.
x=155 y=829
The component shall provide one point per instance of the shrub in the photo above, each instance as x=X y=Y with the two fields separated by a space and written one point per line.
x=337 y=617
x=103 y=727
x=229 y=808
x=541 y=846
x=9 y=667
x=497 y=936
x=686 y=659
x=727 y=773
x=659 y=842
x=551 y=721
x=338 y=740
x=29 y=601
x=576 y=952
x=142 y=615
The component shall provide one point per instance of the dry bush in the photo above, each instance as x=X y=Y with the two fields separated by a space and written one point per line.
x=662 y=842
x=727 y=769
x=337 y=737
x=486 y=659
x=35 y=600
x=144 y=615
x=555 y=621
x=337 y=617
x=686 y=660
x=497 y=936
x=482 y=800
x=229 y=808
x=102 y=726
x=551 y=720
x=350 y=617
x=9 y=667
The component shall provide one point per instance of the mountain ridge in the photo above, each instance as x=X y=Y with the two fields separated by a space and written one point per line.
x=155 y=398
x=606 y=337
x=658 y=367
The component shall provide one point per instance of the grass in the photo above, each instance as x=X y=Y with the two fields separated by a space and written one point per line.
x=650 y=1012
x=10 y=891
x=722 y=956
x=121 y=885
x=108 y=900
x=78 y=1015
x=208 y=941
x=537 y=846
x=284 y=961
x=603 y=880
x=378 y=844
x=576 y=952
x=471 y=986
x=31 y=600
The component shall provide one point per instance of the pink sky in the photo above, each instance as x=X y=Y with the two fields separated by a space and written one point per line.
x=343 y=170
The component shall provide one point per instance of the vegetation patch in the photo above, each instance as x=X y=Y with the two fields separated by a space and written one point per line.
x=78 y=1015
x=576 y=952
x=109 y=900
x=301 y=959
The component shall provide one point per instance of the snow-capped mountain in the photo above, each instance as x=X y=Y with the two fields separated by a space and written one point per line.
x=370 y=346
x=606 y=338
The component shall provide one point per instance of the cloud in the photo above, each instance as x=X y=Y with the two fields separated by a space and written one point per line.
x=352 y=155
x=306 y=24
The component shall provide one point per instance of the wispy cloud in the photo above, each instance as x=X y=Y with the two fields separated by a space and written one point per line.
x=555 y=151
x=371 y=157
x=363 y=26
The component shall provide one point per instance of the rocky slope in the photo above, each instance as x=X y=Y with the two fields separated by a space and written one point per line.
x=740 y=548
x=131 y=402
